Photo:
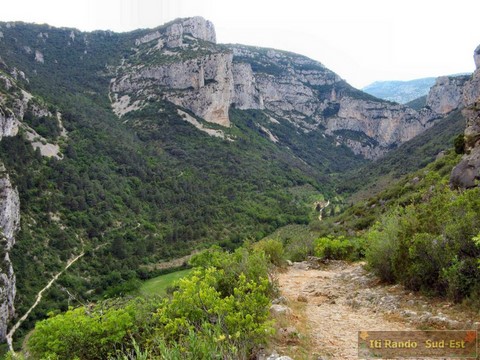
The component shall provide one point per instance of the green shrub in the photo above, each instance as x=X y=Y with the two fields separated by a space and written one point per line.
x=220 y=310
x=213 y=256
x=239 y=319
x=299 y=250
x=382 y=248
x=82 y=333
x=337 y=248
x=430 y=245
x=273 y=250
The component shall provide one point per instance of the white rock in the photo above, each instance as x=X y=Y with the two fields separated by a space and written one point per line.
x=476 y=57
x=9 y=225
x=277 y=309
x=447 y=94
x=39 y=56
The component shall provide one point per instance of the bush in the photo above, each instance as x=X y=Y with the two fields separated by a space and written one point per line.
x=334 y=248
x=430 y=246
x=222 y=308
x=88 y=332
x=273 y=250
x=239 y=320
x=382 y=248
x=219 y=311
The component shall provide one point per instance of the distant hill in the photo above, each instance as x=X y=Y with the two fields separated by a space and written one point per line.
x=400 y=91
x=417 y=103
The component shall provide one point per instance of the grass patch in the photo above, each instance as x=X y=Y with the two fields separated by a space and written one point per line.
x=158 y=285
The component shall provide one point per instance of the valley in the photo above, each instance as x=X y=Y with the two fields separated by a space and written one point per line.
x=161 y=148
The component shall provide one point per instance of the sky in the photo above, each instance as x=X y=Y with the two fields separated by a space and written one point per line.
x=361 y=40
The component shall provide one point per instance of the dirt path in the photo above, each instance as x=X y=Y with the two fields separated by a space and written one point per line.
x=340 y=299
x=14 y=328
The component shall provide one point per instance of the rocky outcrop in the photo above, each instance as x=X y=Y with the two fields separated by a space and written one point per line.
x=181 y=63
x=312 y=97
x=9 y=225
x=447 y=94
x=467 y=173
x=246 y=94
x=471 y=92
x=476 y=57
x=377 y=125
x=189 y=73
x=8 y=123
x=14 y=104
x=197 y=27
x=203 y=85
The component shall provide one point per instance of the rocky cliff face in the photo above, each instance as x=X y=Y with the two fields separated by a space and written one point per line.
x=181 y=63
x=476 y=57
x=378 y=127
x=9 y=225
x=15 y=103
x=303 y=91
x=9 y=208
x=186 y=68
x=467 y=173
x=447 y=94
x=8 y=123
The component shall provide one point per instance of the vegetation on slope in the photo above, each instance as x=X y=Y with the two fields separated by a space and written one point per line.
x=408 y=157
x=219 y=311
x=144 y=189
x=417 y=232
x=418 y=103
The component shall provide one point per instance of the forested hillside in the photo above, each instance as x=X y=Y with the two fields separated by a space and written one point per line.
x=147 y=188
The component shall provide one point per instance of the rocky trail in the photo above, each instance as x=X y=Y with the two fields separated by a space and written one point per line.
x=331 y=302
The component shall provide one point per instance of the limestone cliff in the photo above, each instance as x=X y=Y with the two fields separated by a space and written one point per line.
x=180 y=62
x=476 y=57
x=9 y=215
x=447 y=94
x=378 y=126
x=8 y=123
x=303 y=91
x=187 y=69
x=15 y=104
x=467 y=173
x=9 y=225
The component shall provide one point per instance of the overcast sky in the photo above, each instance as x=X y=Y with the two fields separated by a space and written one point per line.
x=361 y=40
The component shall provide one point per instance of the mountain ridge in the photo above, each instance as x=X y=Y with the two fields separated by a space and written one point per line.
x=288 y=85
x=400 y=91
